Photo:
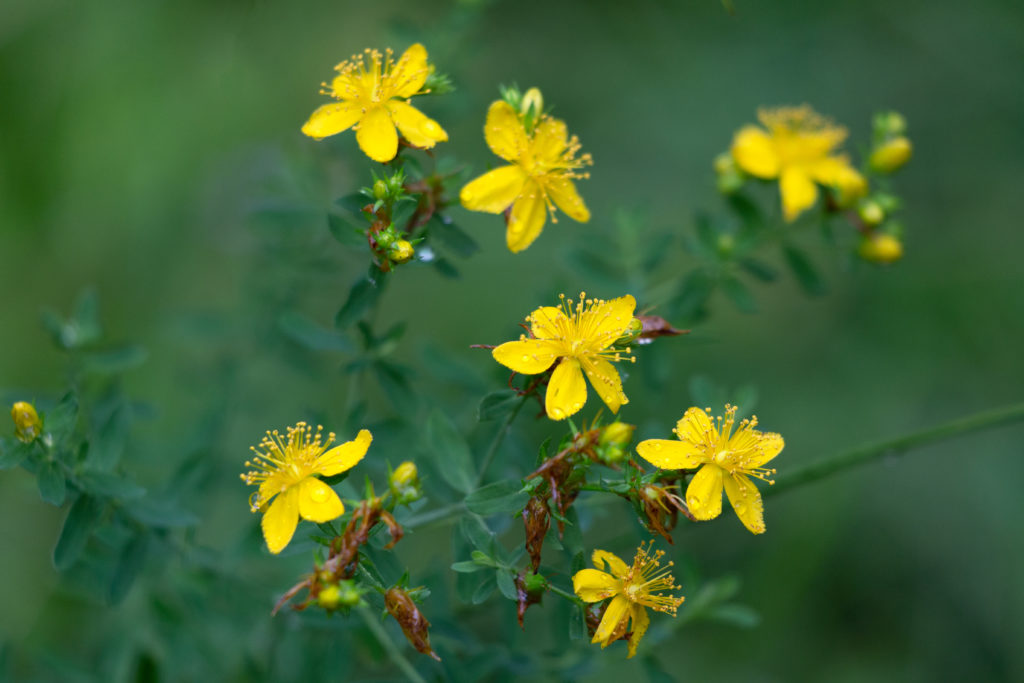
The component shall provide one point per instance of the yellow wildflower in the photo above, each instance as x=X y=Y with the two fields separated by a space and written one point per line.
x=373 y=92
x=543 y=164
x=725 y=459
x=798 y=150
x=27 y=425
x=631 y=588
x=286 y=473
x=583 y=341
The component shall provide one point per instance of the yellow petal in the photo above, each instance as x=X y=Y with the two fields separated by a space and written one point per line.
x=798 y=192
x=641 y=620
x=318 y=502
x=377 y=136
x=529 y=212
x=504 y=131
x=549 y=140
x=345 y=456
x=670 y=455
x=280 y=520
x=746 y=501
x=696 y=427
x=614 y=563
x=418 y=128
x=528 y=356
x=563 y=192
x=331 y=119
x=754 y=152
x=606 y=382
x=409 y=73
x=593 y=585
x=548 y=322
x=617 y=611
x=494 y=191
x=829 y=170
x=606 y=323
x=567 y=390
x=704 y=494
x=768 y=446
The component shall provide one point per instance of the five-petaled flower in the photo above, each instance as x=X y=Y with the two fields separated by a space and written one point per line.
x=373 y=92
x=798 y=150
x=631 y=588
x=542 y=166
x=286 y=470
x=725 y=459
x=581 y=339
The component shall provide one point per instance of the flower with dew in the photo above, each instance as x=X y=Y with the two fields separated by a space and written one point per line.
x=286 y=470
x=726 y=459
x=631 y=588
x=27 y=424
x=581 y=340
x=543 y=163
x=798 y=149
x=373 y=92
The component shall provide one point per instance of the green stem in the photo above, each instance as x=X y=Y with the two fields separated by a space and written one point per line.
x=565 y=594
x=499 y=437
x=373 y=623
x=864 y=454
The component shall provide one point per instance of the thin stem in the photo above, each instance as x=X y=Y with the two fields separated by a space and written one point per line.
x=565 y=594
x=373 y=623
x=864 y=454
x=499 y=437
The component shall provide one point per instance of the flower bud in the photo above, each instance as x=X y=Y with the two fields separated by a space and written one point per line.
x=632 y=331
x=380 y=189
x=27 y=425
x=850 y=186
x=729 y=176
x=414 y=625
x=532 y=102
x=891 y=155
x=889 y=123
x=401 y=251
x=871 y=212
x=617 y=434
x=405 y=483
x=341 y=594
x=881 y=248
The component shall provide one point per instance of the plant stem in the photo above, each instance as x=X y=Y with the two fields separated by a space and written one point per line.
x=396 y=656
x=565 y=594
x=499 y=437
x=864 y=454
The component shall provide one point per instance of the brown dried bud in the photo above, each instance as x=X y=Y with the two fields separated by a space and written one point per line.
x=537 y=521
x=414 y=625
x=529 y=591
x=655 y=326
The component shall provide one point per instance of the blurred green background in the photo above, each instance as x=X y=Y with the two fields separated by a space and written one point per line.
x=152 y=151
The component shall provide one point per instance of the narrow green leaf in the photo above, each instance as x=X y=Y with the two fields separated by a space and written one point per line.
x=497 y=404
x=115 y=360
x=739 y=294
x=394 y=381
x=572 y=537
x=346 y=232
x=61 y=420
x=52 y=485
x=759 y=269
x=468 y=567
x=505 y=584
x=740 y=616
x=484 y=590
x=307 y=333
x=450 y=452
x=353 y=203
x=129 y=564
x=83 y=516
x=110 y=485
x=746 y=210
x=501 y=497
x=693 y=295
x=160 y=513
x=86 y=319
x=804 y=271
x=475 y=531
x=445 y=268
x=361 y=297
x=13 y=453
x=452 y=236
x=577 y=624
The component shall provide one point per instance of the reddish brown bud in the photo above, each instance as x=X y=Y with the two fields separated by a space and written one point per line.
x=414 y=625
x=529 y=591
x=655 y=326
x=537 y=521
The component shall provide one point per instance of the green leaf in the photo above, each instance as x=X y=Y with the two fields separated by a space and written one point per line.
x=61 y=420
x=746 y=210
x=129 y=564
x=577 y=624
x=361 y=298
x=450 y=452
x=13 y=453
x=484 y=590
x=394 y=381
x=452 y=236
x=78 y=526
x=115 y=360
x=482 y=558
x=501 y=497
x=693 y=295
x=346 y=232
x=85 y=319
x=52 y=485
x=475 y=531
x=110 y=485
x=505 y=584
x=497 y=404
x=804 y=271
x=468 y=567
x=572 y=537
x=759 y=269
x=307 y=333
x=739 y=294
x=445 y=268
x=466 y=584
x=160 y=513
x=741 y=616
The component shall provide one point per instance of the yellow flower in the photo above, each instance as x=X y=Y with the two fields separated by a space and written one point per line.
x=582 y=341
x=373 y=92
x=543 y=164
x=725 y=459
x=797 y=149
x=286 y=472
x=631 y=589
x=27 y=425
